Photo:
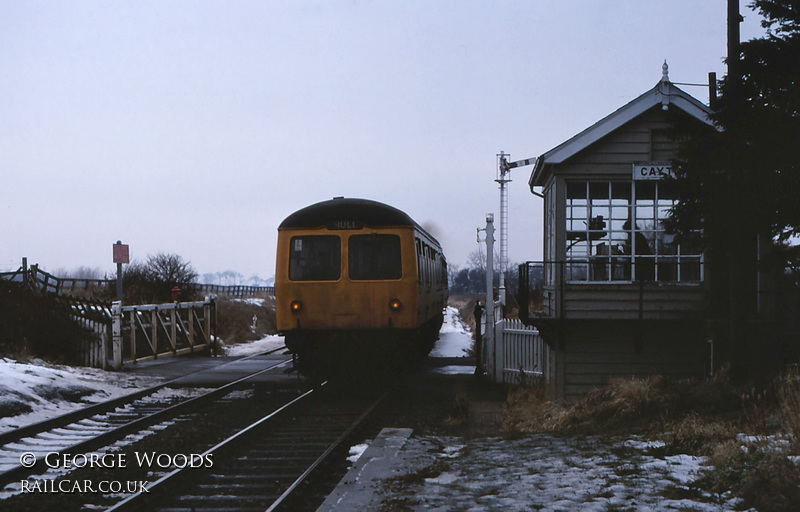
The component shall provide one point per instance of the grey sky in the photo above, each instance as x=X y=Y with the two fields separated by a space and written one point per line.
x=195 y=127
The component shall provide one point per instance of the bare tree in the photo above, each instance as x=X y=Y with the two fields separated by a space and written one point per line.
x=171 y=270
x=153 y=281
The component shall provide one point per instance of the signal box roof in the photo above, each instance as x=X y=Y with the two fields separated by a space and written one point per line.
x=664 y=96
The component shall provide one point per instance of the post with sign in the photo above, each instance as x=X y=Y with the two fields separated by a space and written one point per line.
x=121 y=255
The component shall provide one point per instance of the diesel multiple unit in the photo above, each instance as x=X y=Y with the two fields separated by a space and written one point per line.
x=357 y=278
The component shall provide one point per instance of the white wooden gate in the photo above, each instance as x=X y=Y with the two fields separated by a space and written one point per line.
x=517 y=354
x=149 y=331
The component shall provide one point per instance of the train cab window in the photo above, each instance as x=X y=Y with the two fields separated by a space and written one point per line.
x=315 y=258
x=374 y=257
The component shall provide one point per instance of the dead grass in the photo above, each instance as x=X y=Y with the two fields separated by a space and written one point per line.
x=762 y=476
x=696 y=435
x=235 y=320
x=694 y=417
x=622 y=406
x=789 y=408
x=532 y=409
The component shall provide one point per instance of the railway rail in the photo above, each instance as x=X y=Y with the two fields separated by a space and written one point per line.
x=99 y=425
x=264 y=465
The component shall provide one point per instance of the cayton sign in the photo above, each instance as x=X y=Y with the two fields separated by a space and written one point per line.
x=652 y=171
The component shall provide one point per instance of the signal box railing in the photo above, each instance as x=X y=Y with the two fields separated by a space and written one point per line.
x=577 y=287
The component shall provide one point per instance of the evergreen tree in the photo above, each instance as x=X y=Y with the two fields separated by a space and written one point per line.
x=741 y=181
x=744 y=177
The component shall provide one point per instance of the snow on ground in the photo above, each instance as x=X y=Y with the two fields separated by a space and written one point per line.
x=253 y=347
x=454 y=337
x=252 y=302
x=35 y=391
x=548 y=473
x=455 y=340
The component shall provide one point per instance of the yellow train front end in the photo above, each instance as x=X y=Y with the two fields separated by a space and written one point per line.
x=333 y=280
x=348 y=286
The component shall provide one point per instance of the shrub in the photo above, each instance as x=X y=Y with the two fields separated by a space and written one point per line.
x=151 y=282
x=762 y=476
x=235 y=320
x=36 y=324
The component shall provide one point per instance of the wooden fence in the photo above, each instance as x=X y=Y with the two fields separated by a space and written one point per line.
x=94 y=316
x=67 y=286
x=73 y=286
x=131 y=333
x=238 y=291
x=151 y=331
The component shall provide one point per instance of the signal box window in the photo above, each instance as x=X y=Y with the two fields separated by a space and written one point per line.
x=315 y=258
x=374 y=257
x=618 y=231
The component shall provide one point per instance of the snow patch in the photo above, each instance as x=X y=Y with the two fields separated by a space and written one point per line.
x=356 y=452
x=554 y=473
x=253 y=347
x=455 y=338
x=35 y=391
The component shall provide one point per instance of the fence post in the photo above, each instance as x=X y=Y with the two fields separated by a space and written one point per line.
x=499 y=349
x=207 y=326
x=174 y=328
x=134 y=316
x=104 y=349
x=116 y=337
x=154 y=332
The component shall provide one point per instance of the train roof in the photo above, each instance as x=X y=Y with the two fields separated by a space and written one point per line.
x=363 y=211
x=347 y=210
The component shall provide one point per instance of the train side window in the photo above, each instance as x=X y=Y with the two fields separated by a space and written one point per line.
x=419 y=261
x=374 y=257
x=315 y=258
x=428 y=269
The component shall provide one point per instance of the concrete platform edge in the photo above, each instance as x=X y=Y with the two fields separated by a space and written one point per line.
x=357 y=489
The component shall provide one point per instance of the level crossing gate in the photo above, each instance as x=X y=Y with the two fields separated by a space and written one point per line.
x=149 y=331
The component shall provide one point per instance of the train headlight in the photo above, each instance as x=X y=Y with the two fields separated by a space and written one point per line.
x=395 y=304
x=296 y=306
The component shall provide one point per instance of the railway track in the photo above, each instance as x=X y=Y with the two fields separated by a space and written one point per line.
x=268 y=465
x=268 y=445
x=97 y=426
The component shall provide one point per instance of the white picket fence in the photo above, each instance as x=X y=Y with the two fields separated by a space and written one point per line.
x=516 y=354
x=94 y=351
